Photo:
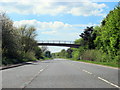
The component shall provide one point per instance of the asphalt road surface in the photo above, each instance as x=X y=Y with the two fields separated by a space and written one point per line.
x=60 y=73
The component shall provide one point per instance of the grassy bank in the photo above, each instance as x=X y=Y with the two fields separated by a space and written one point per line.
x=111 y=64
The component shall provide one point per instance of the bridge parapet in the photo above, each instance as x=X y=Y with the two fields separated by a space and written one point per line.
x=56 y=41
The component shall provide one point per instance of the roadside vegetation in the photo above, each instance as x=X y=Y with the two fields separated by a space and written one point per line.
x=98 y=44
x=19 y=44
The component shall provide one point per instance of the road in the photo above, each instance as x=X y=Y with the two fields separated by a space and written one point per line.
x=60 y=73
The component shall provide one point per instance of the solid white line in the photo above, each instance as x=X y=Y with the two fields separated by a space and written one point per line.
x=108 y=82
x=87 y=71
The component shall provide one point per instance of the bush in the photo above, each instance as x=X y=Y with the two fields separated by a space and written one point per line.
x=117 y=58
x=29 y=56
x=6 y=61
x=95 y=55
x=89 y=55
x=76 y=55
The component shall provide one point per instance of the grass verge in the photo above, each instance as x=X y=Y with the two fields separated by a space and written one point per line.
x=111 y=64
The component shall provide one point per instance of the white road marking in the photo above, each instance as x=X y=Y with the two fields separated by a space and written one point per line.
x=26 y=83
x=100 y=77
x=41 y=70
x=108 y=82
x=70 y=63
x=87 y=71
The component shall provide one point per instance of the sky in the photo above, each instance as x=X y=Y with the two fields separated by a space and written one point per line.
x=57 y=20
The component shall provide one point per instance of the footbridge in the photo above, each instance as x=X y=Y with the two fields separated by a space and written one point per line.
x=58 y=43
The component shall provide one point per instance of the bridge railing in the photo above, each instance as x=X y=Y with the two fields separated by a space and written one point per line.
x=56 y=41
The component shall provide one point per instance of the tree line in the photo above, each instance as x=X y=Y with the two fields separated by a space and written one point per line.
x=99 y=43
x=19 y=44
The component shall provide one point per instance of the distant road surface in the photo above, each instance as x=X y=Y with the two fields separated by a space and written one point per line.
x=60 y=73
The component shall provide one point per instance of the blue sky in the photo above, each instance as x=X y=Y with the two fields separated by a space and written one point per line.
x=57 y=20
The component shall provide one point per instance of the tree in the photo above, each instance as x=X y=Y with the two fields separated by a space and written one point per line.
x=38 y=53
x=76 y=54
x=10 y=42
x=27 y=35
x=18 y=44
x=48 y=54
x=88 y=37
x=62 y=53
x=69 y=53
x=109 y=33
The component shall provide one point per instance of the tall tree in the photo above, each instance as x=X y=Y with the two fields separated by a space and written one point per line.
x=27 y=35
x=9 y=38
x=109 y=34
x=88 y=37
x=69 y=53
x=48 y=54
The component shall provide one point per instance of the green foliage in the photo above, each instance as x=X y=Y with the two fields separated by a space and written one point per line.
x=89 y=55
x=62 y=53
x=69 y=53
x=108 y=35
x=38 y=53
x=18 y=44
x=48 y=54
x=79 y=41
x=88 y=37
x=27 y=35
x=95 y=55
x=76 y=54
x=99 y=43
x=30 y=56
x=9 y=38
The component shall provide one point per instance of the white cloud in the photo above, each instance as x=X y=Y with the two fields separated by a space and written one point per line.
x=49 y=32
x=43 y=26
x=88 y=9
x=55 y=30
x=52 y=8
x=51 y=27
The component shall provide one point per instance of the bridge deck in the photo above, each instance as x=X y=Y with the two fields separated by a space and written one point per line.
x=59 y=43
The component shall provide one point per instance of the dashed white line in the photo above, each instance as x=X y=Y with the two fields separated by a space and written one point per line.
x=108 y=82
x=41 y=70
x=100 y=78
x=25 y=85
x=87 y=71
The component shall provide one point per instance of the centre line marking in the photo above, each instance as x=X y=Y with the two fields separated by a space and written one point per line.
x=87 y=71
x=108 y=82
x=41 y=70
